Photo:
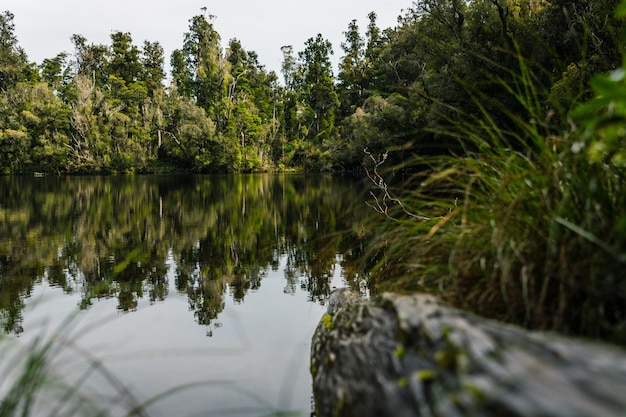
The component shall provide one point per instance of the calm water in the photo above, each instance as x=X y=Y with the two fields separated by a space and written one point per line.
x=212 y=285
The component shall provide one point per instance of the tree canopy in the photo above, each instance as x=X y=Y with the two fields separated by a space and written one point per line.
x=112 y=108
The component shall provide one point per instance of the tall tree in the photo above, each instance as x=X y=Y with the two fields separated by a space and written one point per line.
x=13 y=61
x=290 y=68
x=373 y=37
x=291 y=103
x=91 y=60
x=124 y=62
x=319 y=87
x=57 y=73
x=152 y=60
x=374 y=40
x=181 y=74
x=352 y=70
x=203 y=55
x=251 y=115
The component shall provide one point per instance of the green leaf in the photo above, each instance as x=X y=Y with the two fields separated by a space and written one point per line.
x=620 y=11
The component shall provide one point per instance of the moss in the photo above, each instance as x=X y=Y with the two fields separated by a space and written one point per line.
x=445 y=332
x=425 y=375
x=474 y=392
x=328 y=321
x=339 y=407
x=450 y=357
x=447 y=359
x=403 y=382
x=399 y=352
x=442 y=358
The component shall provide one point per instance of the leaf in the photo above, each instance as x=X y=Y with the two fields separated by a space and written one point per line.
x=620 y=11
x=591 y=238
x=440 y=223
x=605 y=86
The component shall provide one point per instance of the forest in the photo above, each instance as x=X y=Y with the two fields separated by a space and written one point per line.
x=113 y=109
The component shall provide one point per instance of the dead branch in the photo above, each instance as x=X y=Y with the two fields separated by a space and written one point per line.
x=382 y=203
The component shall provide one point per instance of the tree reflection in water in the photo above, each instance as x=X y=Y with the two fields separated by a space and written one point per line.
x=105 y=237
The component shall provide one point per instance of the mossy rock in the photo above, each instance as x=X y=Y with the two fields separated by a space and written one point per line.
x=410 y=355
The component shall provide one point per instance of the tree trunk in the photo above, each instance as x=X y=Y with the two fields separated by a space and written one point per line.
x=414 y=356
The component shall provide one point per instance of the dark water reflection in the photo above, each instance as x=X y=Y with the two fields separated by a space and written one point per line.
x=248 y=260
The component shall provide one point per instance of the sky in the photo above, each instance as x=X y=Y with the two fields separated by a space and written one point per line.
x=43 y=28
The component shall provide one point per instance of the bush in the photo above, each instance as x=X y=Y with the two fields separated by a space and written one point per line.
x=528 y=225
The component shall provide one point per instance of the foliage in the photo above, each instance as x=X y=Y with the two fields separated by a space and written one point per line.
x=527 y=223
x=223 y=112
x=13 y=61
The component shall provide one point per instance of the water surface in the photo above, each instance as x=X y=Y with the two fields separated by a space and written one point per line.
x=212 y=284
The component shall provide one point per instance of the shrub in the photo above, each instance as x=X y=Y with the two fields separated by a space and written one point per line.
x=528 y=224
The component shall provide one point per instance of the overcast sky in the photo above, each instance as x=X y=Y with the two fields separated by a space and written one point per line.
x=43 y=28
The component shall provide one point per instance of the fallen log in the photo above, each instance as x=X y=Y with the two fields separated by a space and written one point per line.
x=414 y=356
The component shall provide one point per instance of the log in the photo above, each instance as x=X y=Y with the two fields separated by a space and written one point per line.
x=411 y=355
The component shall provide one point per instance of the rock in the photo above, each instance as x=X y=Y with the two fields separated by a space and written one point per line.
x=341 y=297
x=415 y=356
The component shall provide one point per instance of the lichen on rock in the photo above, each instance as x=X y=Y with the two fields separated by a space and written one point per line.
x=413 y=356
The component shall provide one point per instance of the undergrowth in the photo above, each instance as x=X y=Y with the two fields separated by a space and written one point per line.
x=528 y=224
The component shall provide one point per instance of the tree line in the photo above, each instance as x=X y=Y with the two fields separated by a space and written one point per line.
x=113 y=109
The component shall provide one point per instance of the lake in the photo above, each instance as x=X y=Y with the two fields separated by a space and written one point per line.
x=173 y=295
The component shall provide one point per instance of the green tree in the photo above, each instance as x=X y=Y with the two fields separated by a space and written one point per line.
x=203 y=57
x=33 y=129
x=319 y=93
x=293 y=130
x=251 y=109
x=153 y=72
x=291 y=69
x=57 y=73
x=13 y=62
x=373 y=37
x=123 y=124
x=91 y=60
x=189 y=136
x=181 y=74
x=124 y=60
x=352 y=70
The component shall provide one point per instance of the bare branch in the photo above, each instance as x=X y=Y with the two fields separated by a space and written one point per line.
x=381 y=204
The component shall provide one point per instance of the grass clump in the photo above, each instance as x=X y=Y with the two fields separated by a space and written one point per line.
x=528 y=223
x=33 y=381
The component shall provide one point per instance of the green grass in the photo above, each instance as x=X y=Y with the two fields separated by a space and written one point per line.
x=528 y=224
